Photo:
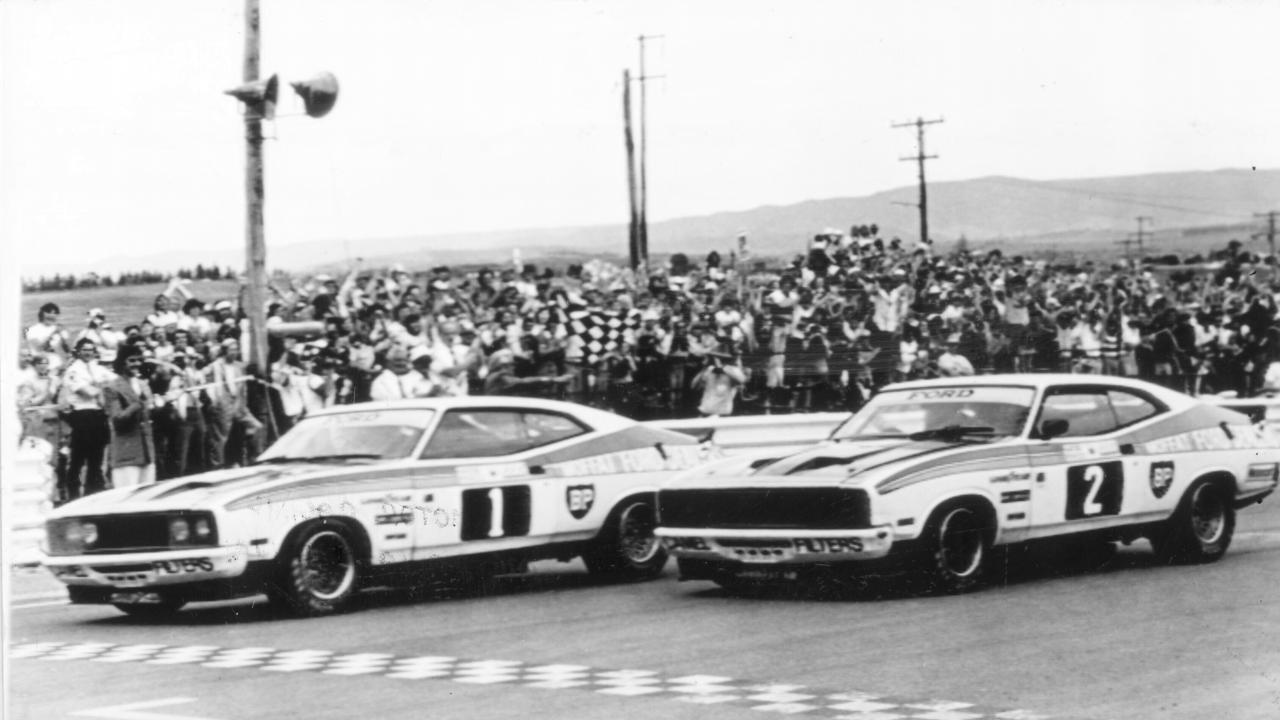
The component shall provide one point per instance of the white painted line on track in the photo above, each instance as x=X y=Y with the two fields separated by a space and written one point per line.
x=27 y=606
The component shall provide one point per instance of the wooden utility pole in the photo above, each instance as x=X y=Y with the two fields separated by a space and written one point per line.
x=1142 y=234
x=643 y=221
x=920 y=157
x=633 y=227
x=255 y=265
x=1128 y=251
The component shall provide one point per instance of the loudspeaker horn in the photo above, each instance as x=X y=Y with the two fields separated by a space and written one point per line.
x=318 y=94
x=259 y=96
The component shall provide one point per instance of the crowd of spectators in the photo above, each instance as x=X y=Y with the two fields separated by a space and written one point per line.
x=851 y=313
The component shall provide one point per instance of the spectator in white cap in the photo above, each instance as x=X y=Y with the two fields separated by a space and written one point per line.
x=951 y=363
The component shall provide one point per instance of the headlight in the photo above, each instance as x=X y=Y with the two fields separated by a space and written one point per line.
x=202 y=529
x=89 y=533
x=179 y=531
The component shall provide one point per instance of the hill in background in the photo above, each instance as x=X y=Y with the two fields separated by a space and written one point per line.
x=1192 y=212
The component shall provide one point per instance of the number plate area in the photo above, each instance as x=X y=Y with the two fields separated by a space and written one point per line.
x=136 y=598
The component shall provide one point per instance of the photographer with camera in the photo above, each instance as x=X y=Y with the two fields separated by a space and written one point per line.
x=719 y=383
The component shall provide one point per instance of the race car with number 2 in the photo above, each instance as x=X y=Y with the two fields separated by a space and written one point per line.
x=931 y=476
x=379 y=493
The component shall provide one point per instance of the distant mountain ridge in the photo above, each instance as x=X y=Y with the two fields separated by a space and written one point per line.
x=1077 y=215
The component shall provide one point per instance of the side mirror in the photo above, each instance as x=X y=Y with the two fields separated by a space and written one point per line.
x=1051 y=429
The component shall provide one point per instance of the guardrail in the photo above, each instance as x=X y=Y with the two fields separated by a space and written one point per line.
x=28 y=492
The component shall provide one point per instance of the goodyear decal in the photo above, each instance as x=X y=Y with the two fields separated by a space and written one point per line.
x=654 y=458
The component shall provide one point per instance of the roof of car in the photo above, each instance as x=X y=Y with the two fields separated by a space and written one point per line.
x=596 y=417
x=1042 y=380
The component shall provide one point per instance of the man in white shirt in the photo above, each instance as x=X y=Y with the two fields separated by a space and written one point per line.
x=82 y=386
x=48 y=337
x=99 y=331
x=399 y=381
x=951 y=363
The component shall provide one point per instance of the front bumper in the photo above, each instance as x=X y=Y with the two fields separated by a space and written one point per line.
x=161 y=569
x=772 y=547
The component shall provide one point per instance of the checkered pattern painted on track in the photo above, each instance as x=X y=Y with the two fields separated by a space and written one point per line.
x=699 y=689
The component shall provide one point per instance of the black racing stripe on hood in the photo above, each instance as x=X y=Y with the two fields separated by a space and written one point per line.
x=942 y=447
x=820 y=461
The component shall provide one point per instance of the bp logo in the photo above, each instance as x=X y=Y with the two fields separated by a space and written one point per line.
x=1161 y=477
x=580 y=498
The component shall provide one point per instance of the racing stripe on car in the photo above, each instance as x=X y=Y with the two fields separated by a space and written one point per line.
x=635 y=684
x=1003 y=457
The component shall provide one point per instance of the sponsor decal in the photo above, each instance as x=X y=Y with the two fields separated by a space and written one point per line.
x=1015 y=496
x=645 y=459
x=491 y=471
x=1218 y=437
x=402 y=518
x=1015 y=476
x=579 y=499
x=828 y=545
x=1085 y=451
x=944 y=394
x=1161 y=477
x=178 y=567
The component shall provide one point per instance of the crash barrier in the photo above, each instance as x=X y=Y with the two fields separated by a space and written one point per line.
x=748 y=432
x=27 y=492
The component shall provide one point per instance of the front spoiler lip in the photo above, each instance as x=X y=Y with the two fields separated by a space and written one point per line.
x=871 y=543
x=228 y=561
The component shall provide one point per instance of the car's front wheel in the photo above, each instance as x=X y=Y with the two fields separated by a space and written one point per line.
x=319 y=571
x=1201 y=528
x=627 y=546
x=956 y=548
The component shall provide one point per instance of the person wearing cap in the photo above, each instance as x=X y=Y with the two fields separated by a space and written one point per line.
x=100 y=332
x=82 y=385
x=46 y=336
x=127 y=402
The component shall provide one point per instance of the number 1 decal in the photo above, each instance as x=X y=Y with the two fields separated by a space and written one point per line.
x=1094 y=490
x=496 y=512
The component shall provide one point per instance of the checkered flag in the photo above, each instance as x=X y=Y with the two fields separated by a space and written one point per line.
x=602 y=330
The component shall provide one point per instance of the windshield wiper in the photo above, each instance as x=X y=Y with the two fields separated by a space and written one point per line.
x=872 y=436
x=317 y=458
x=953 y=433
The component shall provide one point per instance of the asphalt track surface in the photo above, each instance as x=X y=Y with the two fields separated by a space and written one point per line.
x=1130 y=640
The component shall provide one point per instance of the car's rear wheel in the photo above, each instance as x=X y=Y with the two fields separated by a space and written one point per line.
x=627 y=546
x=319 y=573
x=1200 y=530
x=956 y=549
x=168 y=605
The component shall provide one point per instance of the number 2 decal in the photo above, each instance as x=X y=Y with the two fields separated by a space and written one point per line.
x=496 y=512
x=1094 y=489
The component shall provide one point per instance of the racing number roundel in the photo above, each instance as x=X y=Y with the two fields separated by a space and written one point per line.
x=1094 y=489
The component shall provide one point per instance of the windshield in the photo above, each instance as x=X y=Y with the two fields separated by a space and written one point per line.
x=941 y=412
x=373 y=435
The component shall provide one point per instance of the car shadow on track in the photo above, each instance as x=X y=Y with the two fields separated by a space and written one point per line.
x=425 y=591
x=1022 y=566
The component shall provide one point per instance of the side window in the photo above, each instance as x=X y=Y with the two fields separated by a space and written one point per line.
x=546 y=428
x=1130 y=408
x=1086 y=412
x=476 y=433
x=493 y=433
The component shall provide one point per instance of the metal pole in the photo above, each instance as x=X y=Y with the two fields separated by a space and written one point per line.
x=642 y=234
x=255 y=242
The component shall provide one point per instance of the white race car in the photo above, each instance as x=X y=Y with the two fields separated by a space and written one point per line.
x=374 y=493
x=932 y=475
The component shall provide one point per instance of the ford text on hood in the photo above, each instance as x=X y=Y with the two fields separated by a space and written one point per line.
x=382 y=492
x=932 y=475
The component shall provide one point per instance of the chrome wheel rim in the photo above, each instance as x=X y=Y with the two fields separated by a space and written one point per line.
x=1208 y=516
x=960 y=543
x=328 y=565
x=635 y=534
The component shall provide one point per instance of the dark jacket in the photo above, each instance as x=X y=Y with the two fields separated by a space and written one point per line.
x=130 y=422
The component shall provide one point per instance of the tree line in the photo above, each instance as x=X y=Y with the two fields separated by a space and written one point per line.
x=69 y=281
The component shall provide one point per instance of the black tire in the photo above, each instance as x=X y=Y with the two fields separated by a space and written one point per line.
x=1200 y=530
x=319 y=572
x=627 y=547
x=167 y=606
x=956 y=549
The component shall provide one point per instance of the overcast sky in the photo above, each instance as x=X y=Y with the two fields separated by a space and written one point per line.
x=472 y=115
